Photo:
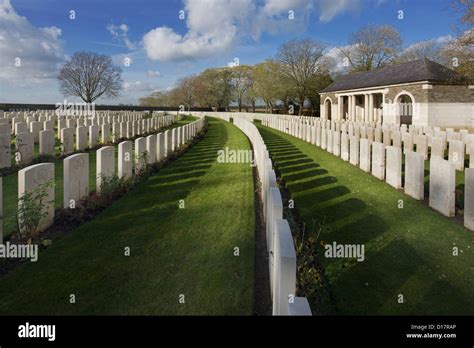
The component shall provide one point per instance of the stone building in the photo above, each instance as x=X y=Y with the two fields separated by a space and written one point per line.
x=420 y=92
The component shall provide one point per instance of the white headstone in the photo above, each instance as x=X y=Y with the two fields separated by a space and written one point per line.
x=378 y=160
x=394 y=166
x=67 y=140
x=105 y=165
x=364 y=161
x=469 y=198
x=414 y=175
x=442 y=186
x=125 y=155
x=5 y=150
x=25 y=148
x=141 y=154
x=456 y=153
x=46 y=142
x=151 y=148
x=76 y=179
x=33 y=181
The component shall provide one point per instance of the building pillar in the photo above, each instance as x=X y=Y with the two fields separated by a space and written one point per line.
x=366 y=108
x=353 y=108
x=371 y=107
x=340 y=108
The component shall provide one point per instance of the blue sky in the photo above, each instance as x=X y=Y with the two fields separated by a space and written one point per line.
x=163 y=47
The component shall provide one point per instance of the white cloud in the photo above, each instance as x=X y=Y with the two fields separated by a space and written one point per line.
x=153 y=73
x=39 y=51
x=120 y=33
x=137 y=86
x=328 y=9
x=214 y=27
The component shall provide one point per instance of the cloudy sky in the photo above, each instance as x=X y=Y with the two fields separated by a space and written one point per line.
x=165 y=40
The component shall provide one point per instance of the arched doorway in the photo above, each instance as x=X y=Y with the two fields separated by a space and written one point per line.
x=328 y=107
x=405 y=109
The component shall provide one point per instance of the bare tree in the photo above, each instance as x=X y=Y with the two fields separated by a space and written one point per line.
x=299 y=59
x=460 y=51
x=430 y=49
x=372 y=47
x=89 y=76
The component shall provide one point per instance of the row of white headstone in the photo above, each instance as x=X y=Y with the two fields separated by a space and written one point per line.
x=383 y=159
x=76 y=134
x=280 y=245
x=152 y=149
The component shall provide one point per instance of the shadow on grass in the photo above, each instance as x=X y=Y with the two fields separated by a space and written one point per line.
x=342 y=218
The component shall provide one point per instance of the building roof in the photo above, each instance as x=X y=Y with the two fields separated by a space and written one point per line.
x=414 y=71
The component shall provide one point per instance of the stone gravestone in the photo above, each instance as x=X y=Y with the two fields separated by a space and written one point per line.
x=116 y=129
x=35 y=128
x=442 y=186
x=5 y=150
x=414 y=175
x=21 y=127
x=160 y=147
x=168 y=139
x=397 y=139
x=61 y=125
x=364 y=161
x=67 y=141
x=469 y=198
x=141 y=154
x=377 y=135
x=105 y=133
x=323 y=138
x=329 y=142
x=46 y=142
x=387 y=139
x=25 y=148
x=76 y=179
x=318 y=135
x=421 y=142
x=393 y=166
x=354 y=151
x=407 y=139
x=344 y=147
x=284 y=285
x=32 y=182
x=173 y=139
x=151 y=148
x=48 y=125
x=378 y=160
x=125 y=167
x=105 y=163
x=456 y=153
x=336 y=148
x=81 y=138
x=93 y=136
x=437 y=148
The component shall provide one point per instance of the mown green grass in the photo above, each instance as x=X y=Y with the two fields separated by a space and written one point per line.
x=174 y=251
x=408 y=251
x=10 y=184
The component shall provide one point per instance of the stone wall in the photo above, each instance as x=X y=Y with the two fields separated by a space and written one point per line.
x=420 y=95
x=450 y=94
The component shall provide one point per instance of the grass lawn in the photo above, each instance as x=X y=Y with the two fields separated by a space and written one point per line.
x=408 y=251
x=174 y=251
x=10 y=183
